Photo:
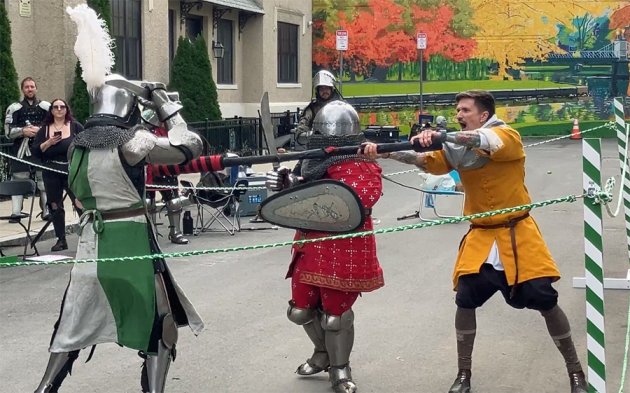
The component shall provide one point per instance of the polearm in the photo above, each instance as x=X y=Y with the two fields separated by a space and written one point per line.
x=218 y=162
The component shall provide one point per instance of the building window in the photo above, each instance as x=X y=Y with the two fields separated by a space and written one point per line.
x=126 y=31
x=225 y=65
x=194 y=26
x=287 y=53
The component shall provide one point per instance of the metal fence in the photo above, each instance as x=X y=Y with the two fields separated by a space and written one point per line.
x=241 y=135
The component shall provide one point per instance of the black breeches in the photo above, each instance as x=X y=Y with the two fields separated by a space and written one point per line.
x=473 y=290
x=55 y=184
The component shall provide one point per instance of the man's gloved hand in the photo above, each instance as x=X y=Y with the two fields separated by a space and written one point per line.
x=280 y=179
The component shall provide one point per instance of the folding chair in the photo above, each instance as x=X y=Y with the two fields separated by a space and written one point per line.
x=23 y=187
x=429 y=200
x=217 y=207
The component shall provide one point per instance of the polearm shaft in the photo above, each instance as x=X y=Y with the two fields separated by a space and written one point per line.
x=218 y=162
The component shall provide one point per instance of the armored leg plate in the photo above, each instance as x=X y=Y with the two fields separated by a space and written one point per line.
x=59 y=366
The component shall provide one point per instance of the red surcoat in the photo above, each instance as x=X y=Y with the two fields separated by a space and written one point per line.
x=344 y=264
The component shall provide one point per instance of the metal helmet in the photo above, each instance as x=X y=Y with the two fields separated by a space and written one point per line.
x=324 y=78
x=114 y=106
x=337 y=118
x=440 y=122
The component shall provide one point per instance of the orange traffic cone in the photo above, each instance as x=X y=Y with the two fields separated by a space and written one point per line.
x=575 y=132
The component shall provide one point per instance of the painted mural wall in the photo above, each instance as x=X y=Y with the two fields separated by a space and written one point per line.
x=558 y=42
x=467 y=39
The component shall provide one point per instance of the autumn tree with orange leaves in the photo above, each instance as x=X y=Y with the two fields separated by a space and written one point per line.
x=383 y=33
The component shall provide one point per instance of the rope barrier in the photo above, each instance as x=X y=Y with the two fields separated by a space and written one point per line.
x=567 y=198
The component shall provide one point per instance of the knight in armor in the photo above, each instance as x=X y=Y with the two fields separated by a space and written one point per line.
x=328 y=276
x=170 y=196
x=21 y=123
x=325 y=91
x=137 y=304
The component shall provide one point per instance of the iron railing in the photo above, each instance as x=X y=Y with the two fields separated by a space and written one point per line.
x=240 y=135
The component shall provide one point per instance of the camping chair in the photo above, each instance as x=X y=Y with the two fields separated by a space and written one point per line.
x=23 y=187
x=429 y=200
x=220 y=207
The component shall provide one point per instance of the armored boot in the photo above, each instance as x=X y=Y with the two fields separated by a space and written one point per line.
x=59 y=366
x=43 y=198
x=462 y=382
x=339 y=339
x=17 y=201
x=174 y=213
x=578 y=382
x=341 y=379
x=310 y=319
x=318 y=362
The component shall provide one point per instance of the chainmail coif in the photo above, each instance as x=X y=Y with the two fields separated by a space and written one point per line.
x=103 y=137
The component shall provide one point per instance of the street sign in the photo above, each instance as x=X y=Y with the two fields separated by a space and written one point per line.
x=422 y=41
x=342 y=39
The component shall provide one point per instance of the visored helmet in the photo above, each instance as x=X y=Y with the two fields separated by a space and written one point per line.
x=337 y=118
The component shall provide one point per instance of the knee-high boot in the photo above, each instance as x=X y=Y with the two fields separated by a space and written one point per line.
x=466 y=330
x=59 y=366
x=560 y=331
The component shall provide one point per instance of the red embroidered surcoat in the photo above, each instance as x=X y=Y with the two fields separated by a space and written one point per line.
x=344 y=264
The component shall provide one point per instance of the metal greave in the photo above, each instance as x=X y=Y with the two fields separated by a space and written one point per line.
x=58 y=363
x=157 y=368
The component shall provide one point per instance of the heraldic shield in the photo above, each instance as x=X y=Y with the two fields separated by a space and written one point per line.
x=321 y=205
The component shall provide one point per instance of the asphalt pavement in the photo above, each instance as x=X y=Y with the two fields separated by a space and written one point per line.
x=405 y=340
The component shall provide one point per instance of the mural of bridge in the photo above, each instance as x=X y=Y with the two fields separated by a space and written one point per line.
x=615 y=51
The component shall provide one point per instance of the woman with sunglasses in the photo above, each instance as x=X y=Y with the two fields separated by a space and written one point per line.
x=51 y=145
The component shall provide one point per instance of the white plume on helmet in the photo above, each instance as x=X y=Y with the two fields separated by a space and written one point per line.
x=93 y=46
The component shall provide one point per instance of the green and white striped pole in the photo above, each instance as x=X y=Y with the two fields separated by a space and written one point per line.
x=593 y=255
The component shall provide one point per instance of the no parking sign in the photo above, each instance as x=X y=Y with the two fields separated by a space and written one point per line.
x=342 y=39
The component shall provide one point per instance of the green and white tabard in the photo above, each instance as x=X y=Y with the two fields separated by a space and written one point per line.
x=111 y=301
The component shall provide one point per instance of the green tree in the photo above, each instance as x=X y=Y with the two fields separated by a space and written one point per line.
x=192 y=77
x=80 y=99
x=9 y=90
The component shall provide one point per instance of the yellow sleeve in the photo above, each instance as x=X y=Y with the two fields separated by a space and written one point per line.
x=436 y=163
x=505 y=144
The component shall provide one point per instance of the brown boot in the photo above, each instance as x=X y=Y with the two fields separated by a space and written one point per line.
x=462 y=382
x=578 y=382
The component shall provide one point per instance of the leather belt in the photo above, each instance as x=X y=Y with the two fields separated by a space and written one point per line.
x=368 y=211
x=510 y=224
x=120 y=214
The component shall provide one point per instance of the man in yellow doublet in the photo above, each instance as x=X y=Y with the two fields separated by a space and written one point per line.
x=503 y=253
x=498 y=184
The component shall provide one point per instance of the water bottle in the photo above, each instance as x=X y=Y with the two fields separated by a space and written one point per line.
x=188 y=223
